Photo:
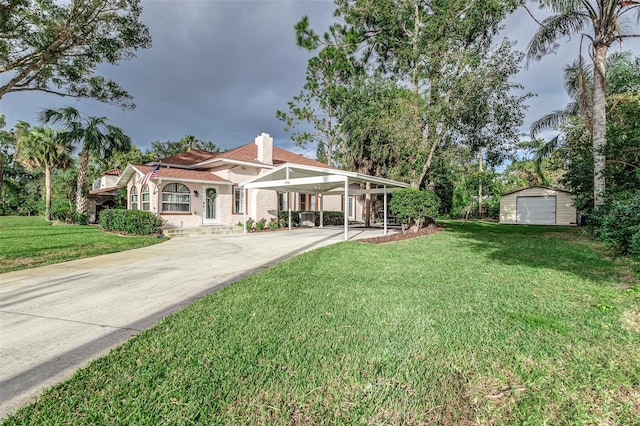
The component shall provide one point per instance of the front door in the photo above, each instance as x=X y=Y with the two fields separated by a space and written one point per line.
x=210 y=205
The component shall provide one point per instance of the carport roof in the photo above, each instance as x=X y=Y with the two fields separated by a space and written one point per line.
x=318 y=180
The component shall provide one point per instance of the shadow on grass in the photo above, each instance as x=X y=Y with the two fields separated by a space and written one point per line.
x=561 y=248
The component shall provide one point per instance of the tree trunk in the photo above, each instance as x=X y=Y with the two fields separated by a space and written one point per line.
x=81 y=198
x=367 y=211
x=480 y=185
x=1 y=177
x=47 y=193
x=599 y=123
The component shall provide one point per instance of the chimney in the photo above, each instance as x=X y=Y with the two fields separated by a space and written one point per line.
x=265 y=148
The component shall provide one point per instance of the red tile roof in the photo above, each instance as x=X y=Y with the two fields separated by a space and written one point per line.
x=249 y=153
x=282 y=156
x=112 y=172
x=175 y=173
x=104 y=190
x=188 y=158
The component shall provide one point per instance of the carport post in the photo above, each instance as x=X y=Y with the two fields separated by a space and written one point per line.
x=346 y=208
x=321 y=210
x=385 y=210
x=244 y=212
x=288 y=199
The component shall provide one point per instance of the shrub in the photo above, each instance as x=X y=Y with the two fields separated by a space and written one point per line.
x=249 y=224
x=492 y=205
x=331 y=218
x=283 y=218
x=261 y=224
x=619 y=224
x=413 y=207
x=130 y=221
x=273 y=224
x=80 y=218
x=62 y=213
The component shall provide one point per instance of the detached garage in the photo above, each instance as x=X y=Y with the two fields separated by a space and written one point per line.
x=538 y=205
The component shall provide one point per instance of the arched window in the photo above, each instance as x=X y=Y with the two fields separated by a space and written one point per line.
x=176 y=198
x=133 y=205
x=145 y=198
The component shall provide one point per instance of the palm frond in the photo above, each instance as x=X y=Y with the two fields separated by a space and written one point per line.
x=545 y=151
x=555 y=27
x=64 y=115
x=578 y=77
x=550 y=121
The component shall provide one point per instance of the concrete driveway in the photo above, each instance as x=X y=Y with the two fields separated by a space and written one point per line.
x=56 y=319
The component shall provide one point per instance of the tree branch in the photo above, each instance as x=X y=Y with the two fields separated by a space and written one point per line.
x=523 y=5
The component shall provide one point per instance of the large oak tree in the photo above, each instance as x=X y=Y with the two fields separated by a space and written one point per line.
x=55 y=46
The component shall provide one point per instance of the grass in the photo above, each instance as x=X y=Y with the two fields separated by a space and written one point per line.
x=26 y=242
x=480 y=324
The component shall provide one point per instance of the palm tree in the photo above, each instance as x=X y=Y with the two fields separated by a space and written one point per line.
x=96 y=136
x=622 y=77
x=607 y=21
x=42 y=148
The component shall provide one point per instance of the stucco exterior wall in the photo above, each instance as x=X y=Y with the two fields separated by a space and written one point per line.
x=565 y=211
x=194 y=218
x=264 y=204
x=260 y=203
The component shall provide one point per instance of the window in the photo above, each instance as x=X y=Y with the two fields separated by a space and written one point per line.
x=308 y=202
x=176 y=198
x=282 y=201
x=133 y=204
x=238 y=200
x=145 y=198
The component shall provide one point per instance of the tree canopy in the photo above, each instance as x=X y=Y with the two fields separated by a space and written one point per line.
x=55 y=46
x=188 y=142
x=599 y=23
x=435 y=52
x=97 y=136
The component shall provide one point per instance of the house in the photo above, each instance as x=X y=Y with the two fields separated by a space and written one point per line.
x=197 y=188
x=103 y=194
x=538 y=205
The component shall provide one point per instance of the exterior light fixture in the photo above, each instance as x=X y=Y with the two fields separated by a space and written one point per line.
x=195 y=193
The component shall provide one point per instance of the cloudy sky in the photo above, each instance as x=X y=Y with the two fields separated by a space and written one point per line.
x=219 y=70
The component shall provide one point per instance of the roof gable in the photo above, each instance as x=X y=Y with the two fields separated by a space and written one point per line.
x=169 y=173
x=249 y=153
x=536 y=186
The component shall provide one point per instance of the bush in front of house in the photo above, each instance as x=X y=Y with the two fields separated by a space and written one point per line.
x=130 y=221
x=414 y=207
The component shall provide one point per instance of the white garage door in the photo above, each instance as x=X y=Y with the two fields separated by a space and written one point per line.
x=536 y=210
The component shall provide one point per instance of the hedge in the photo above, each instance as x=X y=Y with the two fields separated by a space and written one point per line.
x=130 y=221
x=331 y=218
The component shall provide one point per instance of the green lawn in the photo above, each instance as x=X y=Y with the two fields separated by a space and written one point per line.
x=480 y=324
x=26 y=242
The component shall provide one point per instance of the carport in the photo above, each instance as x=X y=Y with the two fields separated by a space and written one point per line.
x=322 y=181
